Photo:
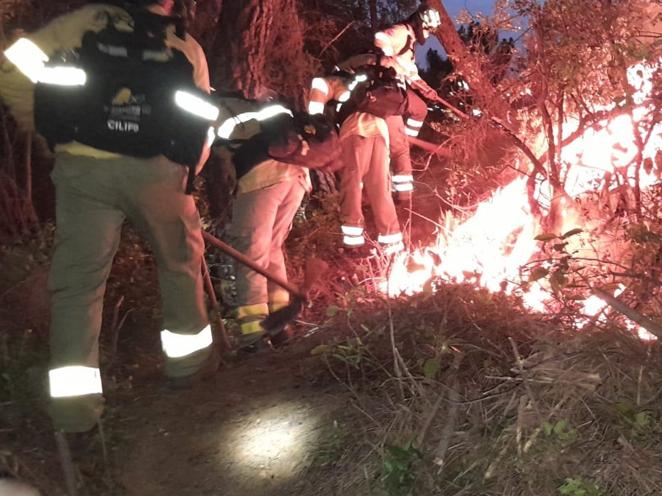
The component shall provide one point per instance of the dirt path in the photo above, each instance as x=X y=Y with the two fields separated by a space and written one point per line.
x=254 y=429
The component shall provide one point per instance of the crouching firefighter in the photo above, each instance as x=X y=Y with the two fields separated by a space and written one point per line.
x=397 y=43
x=364 y=137
x=121 y=97
x=271 y=149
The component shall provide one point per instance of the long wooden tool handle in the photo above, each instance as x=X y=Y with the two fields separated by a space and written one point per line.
x=241 y=258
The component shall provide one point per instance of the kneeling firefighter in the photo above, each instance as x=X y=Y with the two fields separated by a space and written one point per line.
x=271 y=149
x=121 y=98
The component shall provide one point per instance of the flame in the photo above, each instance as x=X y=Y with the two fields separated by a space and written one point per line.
x=490 y=247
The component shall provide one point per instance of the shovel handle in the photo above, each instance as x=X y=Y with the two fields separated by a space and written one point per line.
x=241 y=258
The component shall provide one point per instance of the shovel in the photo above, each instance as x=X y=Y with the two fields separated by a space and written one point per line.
x=275 y=322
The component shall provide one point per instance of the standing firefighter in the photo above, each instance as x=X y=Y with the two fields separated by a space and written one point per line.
x=364 y=137
x=120 y=96
x=398 y=44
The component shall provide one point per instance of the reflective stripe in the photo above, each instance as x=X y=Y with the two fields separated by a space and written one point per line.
x=414 y=123
x=211 y=136
x=344 y=96
x=411 y=132
x=387 y=239
x=352 y=230
x=477 y=112
x=274 y=306
x=181 y=345
x=75 y=380
x=225 y=129
x=320 y=84
x=403 y=187
x=353 y=240
x=196 y=105
x=258 y=309
x=251 y=327
x=62 y=76
x=27 y=57
x=394 y=248
x=402 y=178
x=315 y=108
x=385 y=44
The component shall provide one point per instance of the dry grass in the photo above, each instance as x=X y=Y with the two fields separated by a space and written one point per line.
x=496 y=401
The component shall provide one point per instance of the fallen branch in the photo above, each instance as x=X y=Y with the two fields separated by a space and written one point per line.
x=648 y=324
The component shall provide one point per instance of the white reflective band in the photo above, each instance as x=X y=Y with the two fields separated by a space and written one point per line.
x=383 y=37
x=477 y=112
x=403 y=187
x=74 y=380
x=315 y=108
x=414 y=123
x=320 y=84
x=196 y=105
x=211 y=136
x=353 y=240
x=401 y=178
x=27 y=57
x=387 y=239
x=62 y=76
x=225 y=130
x=411 y=132
x=344 y=96
x=352 y=230
x=180 y=345
x=394 y=248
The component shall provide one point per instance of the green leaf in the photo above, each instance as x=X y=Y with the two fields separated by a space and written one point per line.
x=321 y=349
x=538 y=273
x=572 y=232
x=545 y=237
x=431 y=368
x=547 y=428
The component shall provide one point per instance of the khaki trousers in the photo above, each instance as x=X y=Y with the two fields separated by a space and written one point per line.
x=93 y=199
x=367 y=169
x=261 y=221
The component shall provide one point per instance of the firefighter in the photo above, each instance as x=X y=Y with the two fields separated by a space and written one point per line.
x=397 y=43
x=268 y=195
x=133 y=163
x=364 y=137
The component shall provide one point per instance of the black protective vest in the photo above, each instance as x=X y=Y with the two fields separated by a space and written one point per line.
x=127 y=104
x=380 y=95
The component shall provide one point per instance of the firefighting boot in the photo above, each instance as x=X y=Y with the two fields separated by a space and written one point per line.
x=206 y=371
x=403 y=197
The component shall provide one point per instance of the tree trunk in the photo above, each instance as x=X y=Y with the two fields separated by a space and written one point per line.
x=466 y=63
x=241 y=45
x=373 y=15
x=205 y=26
x=260 y=46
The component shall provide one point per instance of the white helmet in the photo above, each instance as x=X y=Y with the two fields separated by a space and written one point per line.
x=430 y=18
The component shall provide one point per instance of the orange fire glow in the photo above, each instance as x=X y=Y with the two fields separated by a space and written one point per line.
x=490 y=247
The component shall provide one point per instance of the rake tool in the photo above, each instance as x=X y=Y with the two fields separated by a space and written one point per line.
x=275 y=322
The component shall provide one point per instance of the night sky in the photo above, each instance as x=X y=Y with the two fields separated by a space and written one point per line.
x=454 y=7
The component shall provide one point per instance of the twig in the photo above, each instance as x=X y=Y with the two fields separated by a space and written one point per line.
x=333 y=40
x=67 y=463
x=648 y=324
x=451 y=417
x=520 y=366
